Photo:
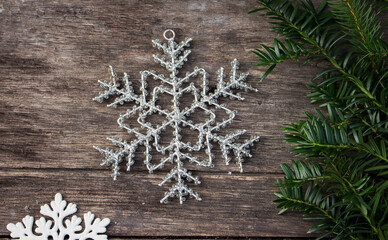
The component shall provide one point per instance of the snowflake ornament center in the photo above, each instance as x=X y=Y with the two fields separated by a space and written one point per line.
x=176 y=118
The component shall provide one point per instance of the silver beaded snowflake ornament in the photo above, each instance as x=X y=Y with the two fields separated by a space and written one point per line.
x=58 y=211
x=177 y=150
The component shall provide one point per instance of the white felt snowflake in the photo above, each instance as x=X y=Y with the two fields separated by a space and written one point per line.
x=58 y=211
x=177 y=150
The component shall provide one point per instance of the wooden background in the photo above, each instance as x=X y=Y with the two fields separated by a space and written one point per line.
x=51 y=55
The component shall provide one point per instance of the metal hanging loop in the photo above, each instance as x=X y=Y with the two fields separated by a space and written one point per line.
x=172 y=33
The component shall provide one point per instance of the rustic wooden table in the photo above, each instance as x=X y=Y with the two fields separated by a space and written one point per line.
x=51 y=55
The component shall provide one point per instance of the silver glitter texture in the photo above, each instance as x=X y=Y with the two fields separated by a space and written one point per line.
x=177 y=150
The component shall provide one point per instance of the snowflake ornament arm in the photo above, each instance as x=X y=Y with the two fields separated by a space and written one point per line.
x=58 y=211
x=177 y=150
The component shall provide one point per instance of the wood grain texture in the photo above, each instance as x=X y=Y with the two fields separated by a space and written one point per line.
x=51 y=55
x=195 y=238
x=227 y=208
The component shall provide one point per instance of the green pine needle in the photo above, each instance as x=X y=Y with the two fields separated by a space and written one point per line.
x=343 y=183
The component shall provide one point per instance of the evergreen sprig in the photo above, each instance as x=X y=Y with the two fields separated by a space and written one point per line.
x=343 y=183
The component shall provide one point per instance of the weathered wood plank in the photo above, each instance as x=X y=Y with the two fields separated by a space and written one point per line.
x=233 y=205
x=177 y=238
x=52 y=55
